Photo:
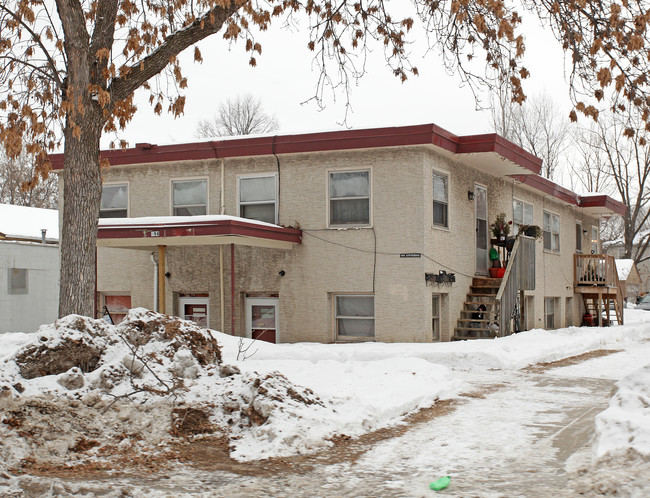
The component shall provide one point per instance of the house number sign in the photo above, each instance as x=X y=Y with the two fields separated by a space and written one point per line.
x=410 y=255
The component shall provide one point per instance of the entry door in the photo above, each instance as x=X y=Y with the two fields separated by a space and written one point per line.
x=194 y=309
x=262 y=318
x=480 y=193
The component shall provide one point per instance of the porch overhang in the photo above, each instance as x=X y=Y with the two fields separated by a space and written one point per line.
x=147 y=233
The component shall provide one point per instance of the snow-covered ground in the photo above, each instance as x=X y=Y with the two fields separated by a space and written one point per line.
x=342 y=389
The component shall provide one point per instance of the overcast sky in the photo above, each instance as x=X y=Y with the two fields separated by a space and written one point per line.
x=285 y=77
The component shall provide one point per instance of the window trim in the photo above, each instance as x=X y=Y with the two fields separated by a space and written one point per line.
x=128 y=196
x=353 y=338
x=515 y=224
x=329 y=199
x=446 y=174
x=189 y=179
x=559 y=246
x=258 y=175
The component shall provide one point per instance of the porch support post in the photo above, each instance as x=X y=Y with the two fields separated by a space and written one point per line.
x=232 y=289
x=161 y=279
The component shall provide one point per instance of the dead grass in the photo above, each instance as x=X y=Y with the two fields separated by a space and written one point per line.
x=572 y=360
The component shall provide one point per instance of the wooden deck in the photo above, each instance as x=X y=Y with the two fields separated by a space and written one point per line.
x=596 y=279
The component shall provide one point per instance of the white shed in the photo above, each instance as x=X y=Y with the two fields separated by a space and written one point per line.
x=29 y=267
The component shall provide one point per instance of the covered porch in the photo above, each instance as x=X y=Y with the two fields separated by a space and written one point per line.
x=158 y=234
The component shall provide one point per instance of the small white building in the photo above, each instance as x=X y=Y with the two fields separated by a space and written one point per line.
x=29 y=267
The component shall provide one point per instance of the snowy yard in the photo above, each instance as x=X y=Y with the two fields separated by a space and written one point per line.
x=325 y=392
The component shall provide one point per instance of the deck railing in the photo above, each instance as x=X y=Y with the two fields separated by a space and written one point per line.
x=595 y=270
x=519 y=276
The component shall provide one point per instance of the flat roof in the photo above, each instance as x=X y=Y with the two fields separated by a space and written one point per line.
x=493 y=150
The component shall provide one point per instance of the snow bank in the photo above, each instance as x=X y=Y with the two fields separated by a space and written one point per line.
x=626 y=422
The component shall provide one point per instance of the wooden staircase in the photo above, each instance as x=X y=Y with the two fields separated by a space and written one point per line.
x=482 y=291
x=603 y=303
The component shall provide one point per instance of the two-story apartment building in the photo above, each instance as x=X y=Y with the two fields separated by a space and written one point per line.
x=337 y=236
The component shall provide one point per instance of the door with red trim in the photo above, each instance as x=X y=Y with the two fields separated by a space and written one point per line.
x=262 y=318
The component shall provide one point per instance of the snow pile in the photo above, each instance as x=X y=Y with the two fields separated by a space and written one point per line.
x=626 y=422
x=83 y=392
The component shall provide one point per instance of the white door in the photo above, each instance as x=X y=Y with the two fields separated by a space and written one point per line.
x=480 y=193
x=195 y=309
x=262 y=318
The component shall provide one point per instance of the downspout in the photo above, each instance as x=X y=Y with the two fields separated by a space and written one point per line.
x=222 y=212
x=232 y=289
x=155 y=282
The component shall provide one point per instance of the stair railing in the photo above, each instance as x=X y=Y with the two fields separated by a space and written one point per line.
x=519 y=275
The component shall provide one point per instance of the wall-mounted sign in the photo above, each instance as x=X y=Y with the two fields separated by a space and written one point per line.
x=410 y=255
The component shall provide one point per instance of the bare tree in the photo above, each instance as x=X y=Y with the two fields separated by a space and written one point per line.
x=590 y=169
x=628 y=168
x=69 y=70
x=243 y=115
x=535 y=125
x=20 y=186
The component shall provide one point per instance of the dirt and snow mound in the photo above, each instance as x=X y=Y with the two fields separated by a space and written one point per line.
x=87 y=393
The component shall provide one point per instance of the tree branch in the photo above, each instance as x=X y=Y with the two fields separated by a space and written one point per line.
x=37 y=39
x=151 y=65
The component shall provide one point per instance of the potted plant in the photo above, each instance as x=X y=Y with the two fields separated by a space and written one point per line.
x=531 y=231
x=501 y=228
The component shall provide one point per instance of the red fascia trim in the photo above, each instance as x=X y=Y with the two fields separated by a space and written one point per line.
x=226 y=227
x=427 y=134
x=548 y=187
x=492 y=142
x=603 y=201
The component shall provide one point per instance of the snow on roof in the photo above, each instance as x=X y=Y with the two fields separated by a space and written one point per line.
x=624 y=267
x=177 y=220
x=27 y=222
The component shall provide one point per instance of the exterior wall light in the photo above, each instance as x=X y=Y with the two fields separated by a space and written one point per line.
x=470 y=195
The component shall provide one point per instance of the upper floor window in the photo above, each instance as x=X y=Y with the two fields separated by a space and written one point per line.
x=578 y=237
x=440 y=200
x=349 y=193
x=522 y=214
x=189 y=197
x=551 y=232
x=257 y=198
x=115 y=201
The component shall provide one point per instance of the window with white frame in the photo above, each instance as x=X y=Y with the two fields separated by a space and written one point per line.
x=594 y=240
x=354 y=315
x=550 y=312
x=189 y=197
x=522 y=214
x=551 y=232
x=440 y=200
x=115 y=201
x=435 y=317
x=578 y=237
x=257 y=196
x=349 y=195
x=17 y=281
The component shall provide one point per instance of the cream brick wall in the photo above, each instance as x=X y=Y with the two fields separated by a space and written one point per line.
x=353 y=260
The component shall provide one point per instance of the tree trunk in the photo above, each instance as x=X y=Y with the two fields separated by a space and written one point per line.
x=82 y=191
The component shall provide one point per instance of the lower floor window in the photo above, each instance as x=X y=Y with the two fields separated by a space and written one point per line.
x=118 y=305
x=550 y=312
x=355 y=315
